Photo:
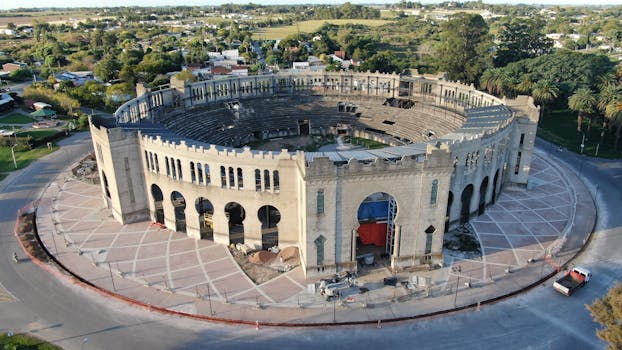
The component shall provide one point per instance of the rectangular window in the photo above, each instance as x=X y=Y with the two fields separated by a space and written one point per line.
x=517 y=167
x=320 y=202
x=522 y=139
x=434 y=192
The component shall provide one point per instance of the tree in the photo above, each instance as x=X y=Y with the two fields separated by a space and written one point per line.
x=463 y=51
x=497 y=82
x=608 y=312
x=107 y=68
x=583 y=102
x=613 y=112
x=520 y=39
x=545 y=92
x=383 y=62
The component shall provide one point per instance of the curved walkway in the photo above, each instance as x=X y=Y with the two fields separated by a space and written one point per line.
x=526 y=235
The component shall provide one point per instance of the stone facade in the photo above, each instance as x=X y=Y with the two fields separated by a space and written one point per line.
x=148 y=173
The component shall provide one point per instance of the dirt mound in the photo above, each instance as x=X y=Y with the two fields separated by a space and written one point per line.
x=290 y=255
x=262 y=257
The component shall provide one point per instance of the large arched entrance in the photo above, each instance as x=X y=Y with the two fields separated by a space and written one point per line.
x=450 y=201
x=269 y=217
x=465 y=206
x=158 y=199
x=236 y=215
x=483 y=188
x=179 y=204
x=376 y=217
x=205 y=209
x=494 y=187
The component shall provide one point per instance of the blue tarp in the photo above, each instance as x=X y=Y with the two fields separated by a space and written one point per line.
x=373 y=211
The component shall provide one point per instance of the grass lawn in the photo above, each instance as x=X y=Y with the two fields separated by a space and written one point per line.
x=560 y=127
x=24 y=342
x=22 y=158
x=311 y=26
x=16 y=118
x=37 y=134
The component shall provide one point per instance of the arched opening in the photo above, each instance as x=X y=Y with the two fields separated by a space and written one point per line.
x=376 y=217
x=483 y=188
x=235 y=214
x=179 y=204
x=494 y=187
x=206 y=215
x=450 y=201
x=467 y=193
x=158 y=199
x=269 y=217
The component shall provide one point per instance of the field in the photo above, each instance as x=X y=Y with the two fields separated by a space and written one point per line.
x=560 y=127
x=38 y=134
x=52 y=17
x=22 y=159
x=16 y=118
x=274 y=33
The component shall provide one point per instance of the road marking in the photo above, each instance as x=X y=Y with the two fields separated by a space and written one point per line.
x=6 y=296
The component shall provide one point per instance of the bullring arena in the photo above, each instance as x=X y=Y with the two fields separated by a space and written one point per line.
x=197 y=158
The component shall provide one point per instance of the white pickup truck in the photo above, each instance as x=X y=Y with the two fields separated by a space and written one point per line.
x=572 y=280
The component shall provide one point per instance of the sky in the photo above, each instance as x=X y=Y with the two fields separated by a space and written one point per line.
x=8 y=4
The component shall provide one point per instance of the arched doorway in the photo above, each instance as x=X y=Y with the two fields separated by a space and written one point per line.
x=158 y=199
x=179 y=204
x=465 y=207
x=494 y=187
x=376 y=216
x=483 y=188
x=269 y=217
x=205 y=209
x=236 y=215
x=450 y=201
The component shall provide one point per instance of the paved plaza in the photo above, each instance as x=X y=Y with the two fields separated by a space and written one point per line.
x=524 y=236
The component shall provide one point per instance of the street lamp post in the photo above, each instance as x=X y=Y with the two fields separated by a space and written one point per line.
x=457 y=269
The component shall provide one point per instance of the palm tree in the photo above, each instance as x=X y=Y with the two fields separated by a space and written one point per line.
x=525 y=85
x=608 y=94
x=583 y=102
x=544 y=92
x=613 y=112
x=497 y=82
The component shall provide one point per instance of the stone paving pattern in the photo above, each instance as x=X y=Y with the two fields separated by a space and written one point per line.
x=160 y=267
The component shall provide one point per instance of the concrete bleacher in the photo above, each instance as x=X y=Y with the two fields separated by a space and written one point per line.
x=234 y=123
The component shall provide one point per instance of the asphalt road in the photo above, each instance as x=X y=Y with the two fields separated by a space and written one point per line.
x=67 y=315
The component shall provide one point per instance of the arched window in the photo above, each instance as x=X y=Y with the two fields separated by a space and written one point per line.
x=199 y=173
x=193 y=176
x=147 y=160
x=179 y=169
x=168 y=167
x=231 y=177
x=151 y=161
x=275 y=180
x=208 y=177
x=257 y=180
x=319 y=247
x=157 y=163
x=434 y=192
x=240 y=179
x=266 y=180
x=173 y=171
x=223 y=177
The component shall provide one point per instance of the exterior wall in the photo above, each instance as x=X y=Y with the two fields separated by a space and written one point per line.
x=455 y=163
x=118 y=158
x=409 y=182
